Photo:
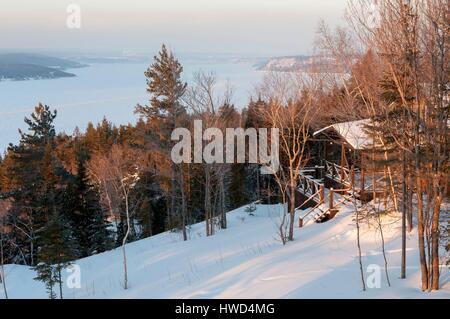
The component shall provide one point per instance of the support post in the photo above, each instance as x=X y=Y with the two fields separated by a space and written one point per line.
x=322 y=194
x=342 y=161
x=331 y=203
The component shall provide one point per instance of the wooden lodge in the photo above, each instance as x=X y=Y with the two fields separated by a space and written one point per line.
x=341 y=168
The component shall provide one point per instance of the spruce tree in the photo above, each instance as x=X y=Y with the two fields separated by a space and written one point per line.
x=237 y=187
x=151 y=212
x=56 y=248
x=24 y=178
x=254 y=118
x=55 y=254
x=85 y=213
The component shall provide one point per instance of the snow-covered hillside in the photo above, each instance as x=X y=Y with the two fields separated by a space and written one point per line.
x=245 y=261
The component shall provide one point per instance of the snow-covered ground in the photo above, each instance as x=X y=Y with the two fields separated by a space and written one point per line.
x=246 y=261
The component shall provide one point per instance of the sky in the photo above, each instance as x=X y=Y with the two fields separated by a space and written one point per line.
x=251 y=27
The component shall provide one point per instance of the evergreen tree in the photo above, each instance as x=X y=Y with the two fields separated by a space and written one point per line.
x=151 y=211
x=163 y=115
x=24 y=178
x=254 y=118
x=237 y=187
x=55 y=253
x=82 y=205
x=56 y=248
x=165 y=84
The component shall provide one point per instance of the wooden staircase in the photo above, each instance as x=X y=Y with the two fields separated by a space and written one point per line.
x=325 y=201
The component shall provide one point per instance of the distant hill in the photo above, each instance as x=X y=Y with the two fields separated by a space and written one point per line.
x=39 y=59
x=113 y=60
x=301 y=63
x=26 y=66
x=22 y=72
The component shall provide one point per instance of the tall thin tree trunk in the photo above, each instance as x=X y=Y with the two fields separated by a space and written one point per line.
x=410 y=205
x=358 y=242
x=258 y=186
x=60 y=282
x=435 y=241
x=404 y=207
x=292 y=212
x=207 y=201
x=427 y=224
x=189 y=194
x=358 y=233
x=386 y=188
x=215 y=207
x=223 y=219
x=173 y=194
x=32 y=243
x=421 y=231
x=283 y=220
x=383 y=247
x=125 y=241
x=2 y=269
x=183 y=206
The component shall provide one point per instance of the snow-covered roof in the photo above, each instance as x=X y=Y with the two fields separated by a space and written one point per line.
x=354 y=133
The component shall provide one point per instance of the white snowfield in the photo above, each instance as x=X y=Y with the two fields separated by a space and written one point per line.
x=248 y=261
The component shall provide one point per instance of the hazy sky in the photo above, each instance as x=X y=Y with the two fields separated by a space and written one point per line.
x=262 y=27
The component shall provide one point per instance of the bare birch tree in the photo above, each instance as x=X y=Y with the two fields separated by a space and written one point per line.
x=119 y=170
x=205 y=102
x=291 y=109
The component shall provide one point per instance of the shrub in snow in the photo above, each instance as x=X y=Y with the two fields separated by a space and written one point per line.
x=250 y=209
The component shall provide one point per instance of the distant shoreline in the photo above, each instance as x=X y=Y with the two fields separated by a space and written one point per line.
x=26 y=67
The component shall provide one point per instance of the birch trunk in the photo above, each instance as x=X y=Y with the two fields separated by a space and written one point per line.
x=404 y=207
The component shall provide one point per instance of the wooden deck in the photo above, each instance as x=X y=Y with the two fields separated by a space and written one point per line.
x=325 y=188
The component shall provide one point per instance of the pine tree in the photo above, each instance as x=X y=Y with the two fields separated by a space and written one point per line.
x=163 y=115
x=165 y=84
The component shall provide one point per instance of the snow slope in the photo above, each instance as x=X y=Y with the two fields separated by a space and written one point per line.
x=245 y=261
